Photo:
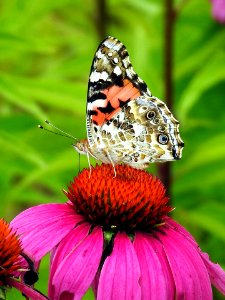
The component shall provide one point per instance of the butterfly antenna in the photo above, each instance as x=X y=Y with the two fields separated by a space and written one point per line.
x=57 y=132
x=60 y=130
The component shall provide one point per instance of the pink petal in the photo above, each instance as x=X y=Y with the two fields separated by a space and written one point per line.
x=156 y=278
x=26 y=290
x=66 y=246
x=218 y=10
x=189 y=272
x=216 y=273
x=177 y=227
x=44 y=226
x=76 y=272
x=120 y=275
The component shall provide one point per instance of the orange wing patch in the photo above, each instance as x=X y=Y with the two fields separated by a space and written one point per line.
x=116 y=98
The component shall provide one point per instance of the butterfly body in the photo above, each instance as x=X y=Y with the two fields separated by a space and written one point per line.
x=125 y=123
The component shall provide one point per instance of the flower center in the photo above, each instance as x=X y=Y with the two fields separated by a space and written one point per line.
x=10 y=250
x=133 y=200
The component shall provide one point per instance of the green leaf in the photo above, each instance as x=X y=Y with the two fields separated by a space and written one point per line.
x=210 y=218
x=60 y=163
x=197 y=59
x=199 y=181
x=16 y=146
x=55 y=93
x=210 y=151
x=212 y=73
x=10 y=92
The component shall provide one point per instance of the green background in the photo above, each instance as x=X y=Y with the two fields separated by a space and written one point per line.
x=46 y=50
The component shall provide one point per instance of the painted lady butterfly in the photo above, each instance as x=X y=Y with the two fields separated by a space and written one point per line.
x=125 y=123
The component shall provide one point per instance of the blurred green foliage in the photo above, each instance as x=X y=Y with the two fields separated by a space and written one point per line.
x=46 y=50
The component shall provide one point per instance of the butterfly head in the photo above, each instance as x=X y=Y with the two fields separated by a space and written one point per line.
x=81 y=146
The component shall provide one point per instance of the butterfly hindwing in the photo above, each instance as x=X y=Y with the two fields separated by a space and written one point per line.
x=144 y=131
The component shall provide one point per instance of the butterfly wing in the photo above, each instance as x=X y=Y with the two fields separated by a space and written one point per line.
x=112 y=84
x=125 y=123
x=144 y=131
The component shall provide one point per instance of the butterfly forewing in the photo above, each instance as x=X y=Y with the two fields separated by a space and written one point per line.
x=112 y=84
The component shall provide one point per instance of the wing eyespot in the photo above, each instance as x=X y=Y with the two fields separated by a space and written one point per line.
x=150 y=114
x=163 y=139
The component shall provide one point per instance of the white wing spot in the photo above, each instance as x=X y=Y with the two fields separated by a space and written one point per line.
x=99 y=54
x=112 y=44
x=126 y=62
x=104 y=75
x=95 y=76
x=117 y=70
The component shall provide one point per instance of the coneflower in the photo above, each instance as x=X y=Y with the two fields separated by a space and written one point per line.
x=114 y=235
x=15 y=265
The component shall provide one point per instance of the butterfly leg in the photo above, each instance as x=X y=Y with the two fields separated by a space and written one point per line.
x=89 y=164
x=79 y=162
x=110 y=159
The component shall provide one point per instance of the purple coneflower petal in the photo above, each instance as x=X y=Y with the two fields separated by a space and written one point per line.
x=216 y=273
x=218 y=10
x=42 y=233
x=120 y=275
x=177 y=227
x=78 y=269
x=156 y=278
x=67 y=245
x=190 y=274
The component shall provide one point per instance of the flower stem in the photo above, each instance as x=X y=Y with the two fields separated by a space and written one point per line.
x=164 y=170
x=101 y=22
